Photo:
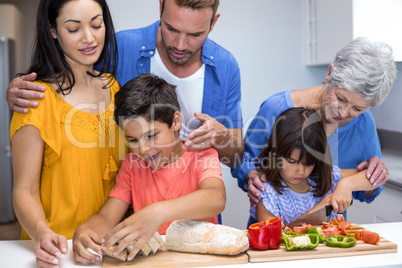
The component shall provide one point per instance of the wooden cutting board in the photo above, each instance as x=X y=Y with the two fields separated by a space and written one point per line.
x=323 y=251
x=167 y=259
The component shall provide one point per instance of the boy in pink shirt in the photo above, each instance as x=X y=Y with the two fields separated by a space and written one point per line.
x=160 y=180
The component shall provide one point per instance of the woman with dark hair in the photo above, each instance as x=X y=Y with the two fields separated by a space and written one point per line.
x=65 y=152
x=298 y=167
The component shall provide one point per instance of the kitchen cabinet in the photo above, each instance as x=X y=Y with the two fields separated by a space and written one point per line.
x=332 y=24
x=387 y=207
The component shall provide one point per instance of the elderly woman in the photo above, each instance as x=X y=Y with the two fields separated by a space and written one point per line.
x=361 y=76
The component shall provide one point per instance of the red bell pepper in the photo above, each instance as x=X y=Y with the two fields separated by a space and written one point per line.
x=265 y=234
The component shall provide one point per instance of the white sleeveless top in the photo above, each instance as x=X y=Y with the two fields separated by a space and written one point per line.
x=189 y=90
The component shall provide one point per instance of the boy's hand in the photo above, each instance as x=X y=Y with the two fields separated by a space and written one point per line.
x=20 y=90
x=49 y=248
x=210 y=133
x=139 y=227
x=83 y=240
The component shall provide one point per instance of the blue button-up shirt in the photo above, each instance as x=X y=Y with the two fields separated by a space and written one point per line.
x=221 y=98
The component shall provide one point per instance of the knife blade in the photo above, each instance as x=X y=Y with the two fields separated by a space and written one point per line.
x=314 y=218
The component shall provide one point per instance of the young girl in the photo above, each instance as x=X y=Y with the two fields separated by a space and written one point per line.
x=298 y=168
x=65 y=152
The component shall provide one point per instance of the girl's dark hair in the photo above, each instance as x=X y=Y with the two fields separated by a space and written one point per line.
x=302 y=129
x=148 y=96
x=48 y=59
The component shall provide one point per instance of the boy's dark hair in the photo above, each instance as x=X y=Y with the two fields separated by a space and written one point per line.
x=147 y=96
x=302 y=129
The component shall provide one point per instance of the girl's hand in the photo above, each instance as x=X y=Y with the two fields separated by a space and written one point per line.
x=139 y=227
x=49 y=248
x=254 y=181
x=83 y=240
x=341 y=197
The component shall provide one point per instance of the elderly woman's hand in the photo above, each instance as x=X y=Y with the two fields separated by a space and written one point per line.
x=254 y=180
x=377 y=172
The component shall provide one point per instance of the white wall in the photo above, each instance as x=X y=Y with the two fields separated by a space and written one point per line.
x=25 y=37
x=266 y=37
x=388 y=115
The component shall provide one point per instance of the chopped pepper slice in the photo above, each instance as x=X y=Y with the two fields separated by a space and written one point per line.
x=318 y=231
x=340 y=241
x=265 y=234
x=308 y=241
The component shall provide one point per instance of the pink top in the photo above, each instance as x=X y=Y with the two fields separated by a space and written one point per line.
x=139 y=185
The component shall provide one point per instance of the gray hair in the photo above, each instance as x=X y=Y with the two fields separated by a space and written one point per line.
x=364 y=67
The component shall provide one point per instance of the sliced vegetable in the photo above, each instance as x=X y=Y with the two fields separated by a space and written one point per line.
x=330 y=231
x=287 y=229
x=336 y=222
x=326 y=225
x=266 y=234
x=358 y=235
x=299 y=229
x=308 y=241
x=340 y=218
x=286 y=234
x=370 y=237
x=344 y=224
x=340 y=241
x=343 y=231
x=318 y=231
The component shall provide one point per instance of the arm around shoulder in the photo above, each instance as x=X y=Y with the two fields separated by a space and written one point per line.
x=20 y=90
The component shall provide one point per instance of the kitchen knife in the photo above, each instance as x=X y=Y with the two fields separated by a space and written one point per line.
x=314 y=218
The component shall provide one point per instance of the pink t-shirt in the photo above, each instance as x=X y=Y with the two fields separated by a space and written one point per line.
x=139 y=185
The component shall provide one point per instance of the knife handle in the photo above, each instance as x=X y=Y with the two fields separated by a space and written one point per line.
x=328 y=210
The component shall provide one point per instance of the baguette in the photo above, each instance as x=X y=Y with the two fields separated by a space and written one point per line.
x=204 y=237
x=109 y=252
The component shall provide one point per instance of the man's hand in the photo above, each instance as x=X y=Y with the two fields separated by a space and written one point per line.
x=254 y=180
x=377 y=172
x=211 y=133
x=22 y=88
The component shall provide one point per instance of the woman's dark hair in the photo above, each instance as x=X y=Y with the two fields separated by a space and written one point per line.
x=48 y=59
x=148 y=96
x=298 y=129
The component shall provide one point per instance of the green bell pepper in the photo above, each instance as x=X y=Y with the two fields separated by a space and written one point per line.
x=286 y=234
x=300 y=241
x=340 y=241
x=317 y=231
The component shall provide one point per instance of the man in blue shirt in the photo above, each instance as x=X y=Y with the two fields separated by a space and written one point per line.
x=207 y=76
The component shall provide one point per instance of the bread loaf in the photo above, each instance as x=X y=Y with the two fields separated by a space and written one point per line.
x=204 y=237
x=109 y=252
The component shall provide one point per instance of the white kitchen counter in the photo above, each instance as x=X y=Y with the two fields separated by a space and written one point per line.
x=19 y=253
